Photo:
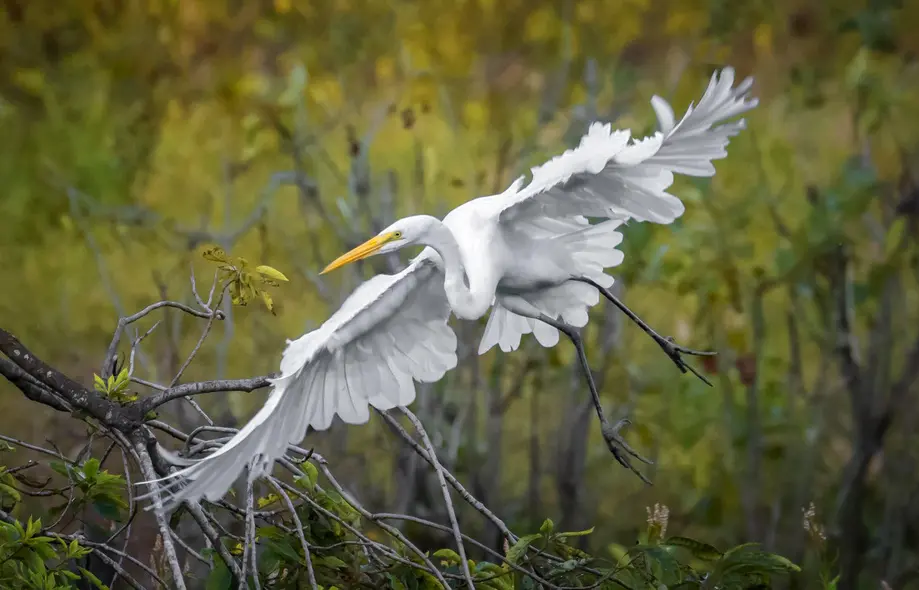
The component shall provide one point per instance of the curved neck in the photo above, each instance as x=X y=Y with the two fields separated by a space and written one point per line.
x=467 y=301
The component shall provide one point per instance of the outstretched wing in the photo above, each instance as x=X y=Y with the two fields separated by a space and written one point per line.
x=391 y=330
x=610 y=175
x=614 y=176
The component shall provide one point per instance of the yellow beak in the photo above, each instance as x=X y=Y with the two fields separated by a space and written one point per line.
x=363 y=251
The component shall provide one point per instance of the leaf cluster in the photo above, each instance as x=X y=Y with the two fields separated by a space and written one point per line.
x=97 y=487
x=115 y=387
x=245 y=284
x=30 y=560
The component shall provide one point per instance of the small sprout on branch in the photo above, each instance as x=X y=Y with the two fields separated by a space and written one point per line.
x=115 y=387
x=245 y=284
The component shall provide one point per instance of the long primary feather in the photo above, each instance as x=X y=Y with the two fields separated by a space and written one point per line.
x=392 y=330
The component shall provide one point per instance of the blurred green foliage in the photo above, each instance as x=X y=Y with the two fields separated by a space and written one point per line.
x=135 y=133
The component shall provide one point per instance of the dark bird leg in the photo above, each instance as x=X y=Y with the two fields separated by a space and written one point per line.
x=672 y=349
x=616 y=444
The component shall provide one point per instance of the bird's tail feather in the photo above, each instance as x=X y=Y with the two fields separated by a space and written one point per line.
x=262 y=438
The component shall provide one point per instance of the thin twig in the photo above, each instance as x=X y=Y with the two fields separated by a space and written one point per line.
x=36 y=448
x=201 y=518
x=222 y=385
x=299 y=528
x=146 y=466
x=470 y=499
x=451 y=513
x=125 y=321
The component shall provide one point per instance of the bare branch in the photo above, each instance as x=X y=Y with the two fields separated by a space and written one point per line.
x=31 y=387
x=110 y=354
x=451 y=513
x=394 y=532
x=299 y=529
x=91 y=402
x=146 y=466
x=225 y=385
x=479 y=506
x=200 y=517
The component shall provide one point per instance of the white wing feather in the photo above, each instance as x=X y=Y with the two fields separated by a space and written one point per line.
x=391 y=330
x=611 y=175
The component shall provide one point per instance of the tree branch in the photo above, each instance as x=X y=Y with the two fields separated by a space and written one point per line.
x=225 y=385
x=106 y=411
x=451 y=512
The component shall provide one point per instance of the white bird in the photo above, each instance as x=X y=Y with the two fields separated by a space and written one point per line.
x=530 y=253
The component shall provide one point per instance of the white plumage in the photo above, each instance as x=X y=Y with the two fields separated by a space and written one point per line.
x=523 y=253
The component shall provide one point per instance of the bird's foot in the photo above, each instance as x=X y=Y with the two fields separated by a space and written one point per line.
x=622 y=450
x=674 y=350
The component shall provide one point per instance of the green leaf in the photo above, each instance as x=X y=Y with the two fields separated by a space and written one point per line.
x=448 y=555
x=107 y=507
x=312 y=475
x=394 y=582
x=11 y=492
x=220 y=577
x=547 y=526
x=283 y=548
x=271 y=273
x=98 y=384
x=738 y=549
x=44 y=549
x=91 y=468
x=332 y=562
x=517 y=551
x=575 y=533
x=60 y=467
x=759 y=562
x=697 y=548
x=32 y=527
x=92 y=578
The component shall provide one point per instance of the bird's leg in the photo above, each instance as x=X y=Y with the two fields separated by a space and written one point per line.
x=672 y=349
x=617 y=445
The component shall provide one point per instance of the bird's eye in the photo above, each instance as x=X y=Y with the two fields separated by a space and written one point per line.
x=397 y=235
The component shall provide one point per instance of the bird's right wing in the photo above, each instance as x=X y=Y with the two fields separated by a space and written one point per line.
x=612 y=175
x=391 y=330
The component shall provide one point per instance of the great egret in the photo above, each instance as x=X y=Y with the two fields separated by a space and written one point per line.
x=530 y=253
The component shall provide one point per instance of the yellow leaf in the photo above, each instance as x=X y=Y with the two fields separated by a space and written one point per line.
x=267 y=500
x=266 y=298
x=215 y=254
x=271 y=273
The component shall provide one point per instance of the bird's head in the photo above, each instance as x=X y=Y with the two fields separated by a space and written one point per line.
x=407 y=231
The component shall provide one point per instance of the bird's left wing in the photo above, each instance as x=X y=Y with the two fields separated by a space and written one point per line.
x=613 y=176
x=391 y=330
